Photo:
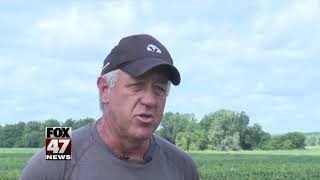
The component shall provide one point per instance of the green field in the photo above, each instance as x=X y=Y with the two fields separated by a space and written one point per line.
x=295 y=164
x=12 y=161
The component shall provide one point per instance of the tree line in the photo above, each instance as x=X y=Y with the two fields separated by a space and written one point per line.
x=313 y=139
x=224 y=130
x=220 y=130
x=32 y=134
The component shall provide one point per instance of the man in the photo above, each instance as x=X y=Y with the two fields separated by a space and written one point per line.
x=133 y=88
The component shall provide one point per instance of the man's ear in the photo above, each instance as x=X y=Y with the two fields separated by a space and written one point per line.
x=103 y=89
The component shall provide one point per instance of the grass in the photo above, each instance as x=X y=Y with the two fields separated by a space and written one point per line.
x=295 y=164
x=12 y=160
x=309 y=150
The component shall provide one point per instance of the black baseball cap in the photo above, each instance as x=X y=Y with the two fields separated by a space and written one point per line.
x=137 y=54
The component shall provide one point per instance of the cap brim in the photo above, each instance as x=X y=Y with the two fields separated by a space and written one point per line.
x=138 y=67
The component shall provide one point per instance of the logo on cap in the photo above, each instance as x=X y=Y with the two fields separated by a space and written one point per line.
x=105 y=65
x=153 y=48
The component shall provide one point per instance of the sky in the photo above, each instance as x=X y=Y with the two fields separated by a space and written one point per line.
x=260 y=57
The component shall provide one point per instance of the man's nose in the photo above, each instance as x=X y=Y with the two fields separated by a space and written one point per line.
x=149 y=98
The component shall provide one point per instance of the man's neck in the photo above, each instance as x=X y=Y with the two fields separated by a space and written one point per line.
x=122 y=147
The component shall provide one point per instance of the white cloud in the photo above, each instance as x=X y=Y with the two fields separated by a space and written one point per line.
x=8 y=101
x=146 y=7
x=298 y=13
x=82 y=25
x=297 y=22
x=71 y=100
x=275 y=33
x=181 y=31
x=79 y=85
x=219 y=45
x=287 y=107
x=160 y=29
x=260 y=86
x=231 y=88
x=39 y=80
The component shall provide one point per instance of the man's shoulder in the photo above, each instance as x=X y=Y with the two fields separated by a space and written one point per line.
x=40 y=168
x=170 y=149
x=82 y=136
x=176 y=157
x=82 y=140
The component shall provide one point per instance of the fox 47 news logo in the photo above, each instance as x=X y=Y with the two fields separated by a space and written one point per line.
x=58 y=143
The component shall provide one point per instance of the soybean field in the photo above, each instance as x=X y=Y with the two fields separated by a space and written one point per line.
x=291 y=165
x=238 y=165
x=12 y=160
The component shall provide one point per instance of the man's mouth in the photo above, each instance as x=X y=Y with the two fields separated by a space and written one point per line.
x=145 y=117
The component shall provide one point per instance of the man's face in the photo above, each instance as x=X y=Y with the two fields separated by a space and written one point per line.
x=136 y=105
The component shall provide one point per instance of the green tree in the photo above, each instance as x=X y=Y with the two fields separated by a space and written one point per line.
x=230 y=143
x=183 y=140
x=193 y=138
x=199 y=140
x=297 y=139
x=34 y=135
x=19 y=129
x=243 y=121
x=51 y=123
x=34 y=139
x=82 y=122
x=69 y=123
x=224 y=129
x=275 y=142
x=173 y=123
x=292 y=140
x=11 y=135
x=1 y=136
x=311 y=140
x=254 y=137
x=287 y=144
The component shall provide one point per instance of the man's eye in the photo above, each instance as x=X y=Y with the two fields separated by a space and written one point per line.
x=135 y=86
x=161 y=91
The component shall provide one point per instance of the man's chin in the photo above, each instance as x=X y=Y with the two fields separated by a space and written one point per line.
x=143 y=136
